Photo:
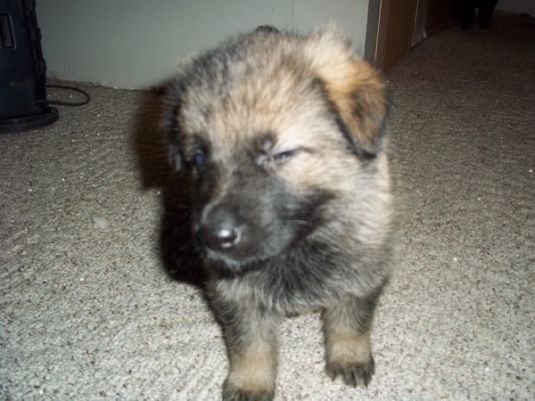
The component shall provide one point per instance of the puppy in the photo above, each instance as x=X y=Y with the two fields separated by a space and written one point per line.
x=291 y=206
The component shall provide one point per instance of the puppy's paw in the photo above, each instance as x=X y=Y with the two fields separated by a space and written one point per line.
x=231 y=393
x=353 y=374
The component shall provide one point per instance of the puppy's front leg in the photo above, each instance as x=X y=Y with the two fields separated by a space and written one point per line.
x=347 y=326
x=251 y=338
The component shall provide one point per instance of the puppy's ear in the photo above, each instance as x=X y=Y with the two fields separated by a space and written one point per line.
x=171 y=122
x=355 y=90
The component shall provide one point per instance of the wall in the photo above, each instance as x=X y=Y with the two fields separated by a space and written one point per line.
x=351 y=15
x=517 y=6
x=136 y=43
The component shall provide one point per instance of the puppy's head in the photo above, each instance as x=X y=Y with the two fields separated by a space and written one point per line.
x=274 y=128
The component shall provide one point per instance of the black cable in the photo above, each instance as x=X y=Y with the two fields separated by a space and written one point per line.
x=62 y=103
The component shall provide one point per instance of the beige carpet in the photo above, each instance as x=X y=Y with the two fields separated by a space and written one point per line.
x=92 y=309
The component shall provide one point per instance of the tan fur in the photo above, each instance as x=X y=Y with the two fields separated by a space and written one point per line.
x=353 y=85
x=275 y=97
x=253 y=370
x=346 y=347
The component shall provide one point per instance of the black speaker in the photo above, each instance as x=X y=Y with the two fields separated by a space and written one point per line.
x=23 y=101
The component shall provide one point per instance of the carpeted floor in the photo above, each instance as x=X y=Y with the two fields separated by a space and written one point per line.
x=92 y=309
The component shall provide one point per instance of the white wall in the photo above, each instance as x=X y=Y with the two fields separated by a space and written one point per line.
x=351 y=15
x=517 y=6
x=136 y=43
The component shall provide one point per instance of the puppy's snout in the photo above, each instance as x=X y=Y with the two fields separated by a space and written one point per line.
x=220 y=230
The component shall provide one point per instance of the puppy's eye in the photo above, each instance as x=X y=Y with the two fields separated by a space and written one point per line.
x=269 y=159
x=199 y=160
x=284 y=156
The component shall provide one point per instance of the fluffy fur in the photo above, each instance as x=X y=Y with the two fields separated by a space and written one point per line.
x=283 y=137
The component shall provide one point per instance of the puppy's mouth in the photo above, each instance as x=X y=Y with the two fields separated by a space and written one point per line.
x=222 y=261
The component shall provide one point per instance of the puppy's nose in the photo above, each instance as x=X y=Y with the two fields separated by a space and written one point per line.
x=220 y=232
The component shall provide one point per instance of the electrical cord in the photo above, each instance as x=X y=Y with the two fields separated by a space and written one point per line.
x=72 y=104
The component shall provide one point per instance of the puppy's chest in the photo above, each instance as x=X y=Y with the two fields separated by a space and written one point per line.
x=295 y=283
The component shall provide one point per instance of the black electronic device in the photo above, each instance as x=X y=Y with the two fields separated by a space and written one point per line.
x=23 y=101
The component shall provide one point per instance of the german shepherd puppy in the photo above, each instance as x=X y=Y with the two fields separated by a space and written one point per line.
x=282 y=136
